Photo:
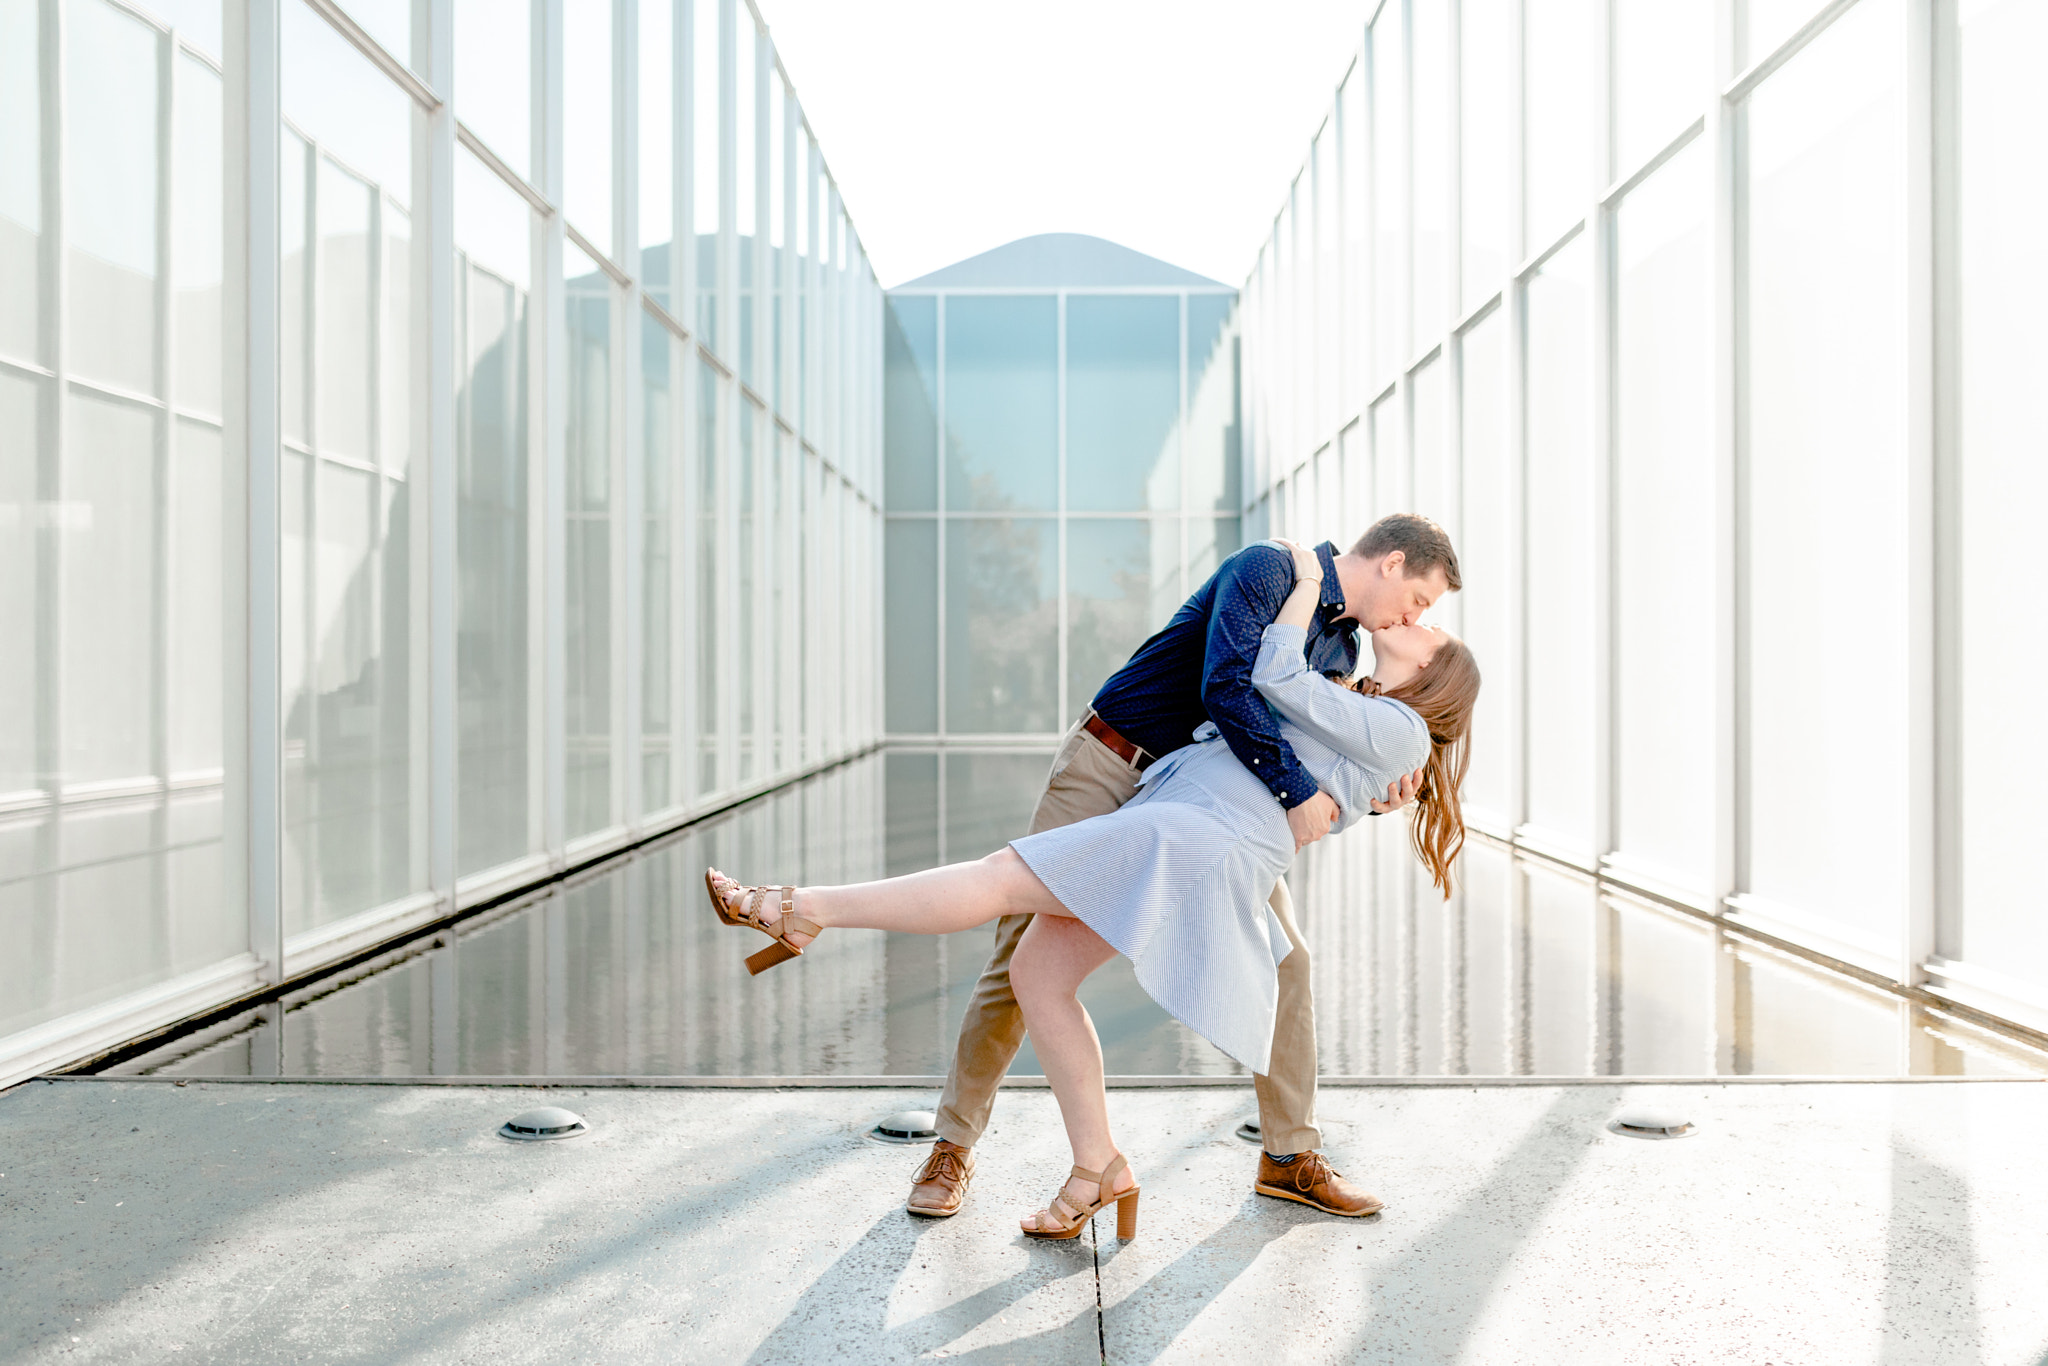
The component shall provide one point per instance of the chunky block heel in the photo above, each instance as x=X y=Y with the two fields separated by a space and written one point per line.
x=1063 y=1219
x=753 y=912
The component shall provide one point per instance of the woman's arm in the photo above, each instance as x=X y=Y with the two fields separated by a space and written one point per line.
x=1375 y=731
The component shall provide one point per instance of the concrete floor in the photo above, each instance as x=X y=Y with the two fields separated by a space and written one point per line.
x=1865 y=1222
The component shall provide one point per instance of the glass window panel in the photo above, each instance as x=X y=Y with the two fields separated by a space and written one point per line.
x=1434 y=496
x=1211 y=541
x=110 y=190
x=1123 y=582
x=343 y=311
x=705 y=142
x=493 y=661
x=2004 y=431
x=910 y=615
x=1766 y=24
x=1486 y=127
x=106 y=526
x=1389 y=461
x=21 y=585
x=657 y=564
x=1354 y=465
x=352 y=839
x=295 y=292
x=494 y=76
x=910 y=368
x=1431 y=158
x=747 y=152
x=1559 y=540
x=1664 y=489
x=1352 y=127
x=1215 y=422
x=193 y=639
x=197 y=251
x=587 y=553
x=21 y=180
x=778 y=242
x=657 y=136
x=388 y=21
x=1002 y=402
x=1557 y=72
x=1485 y=539
x=1663 y=62
x=713 y=546
x=196 y=21
x=1327 y=299
x=1123 y=402
x=1390 y=200
x=1826 y=507
x=1664 y=980
x=746 y=602
x=587 y=119
x=1002 y=626
x=340 y=100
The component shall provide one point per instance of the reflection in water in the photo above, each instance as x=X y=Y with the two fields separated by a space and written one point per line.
x=1529 y=970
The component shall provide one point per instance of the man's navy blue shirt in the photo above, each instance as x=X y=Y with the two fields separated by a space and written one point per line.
x=1199 y=667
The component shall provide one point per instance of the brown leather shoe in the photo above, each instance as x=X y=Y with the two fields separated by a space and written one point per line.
x=942 y=1182
x=1310 y=1180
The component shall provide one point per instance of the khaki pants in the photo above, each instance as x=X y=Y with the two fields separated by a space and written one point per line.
x=1087 y=779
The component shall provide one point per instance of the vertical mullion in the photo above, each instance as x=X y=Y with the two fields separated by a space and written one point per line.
x=1515 y=304
x=1917 y=941
x=1181 y=444
x=1731 y=797
x=434 y=380
x=253 y=714
x=941 y=522
x=1060 y=529
x=1601 y=298
x=553 y=446
x=628 y=427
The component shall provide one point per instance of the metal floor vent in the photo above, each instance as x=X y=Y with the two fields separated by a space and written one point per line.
x=1651 y=1121
x=1249 y=1131
x=907 y=1126
x=549 y=1121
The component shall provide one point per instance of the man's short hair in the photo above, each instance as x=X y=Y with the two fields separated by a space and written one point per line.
x=1423 y=544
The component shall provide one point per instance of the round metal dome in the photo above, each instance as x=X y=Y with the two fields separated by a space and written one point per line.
x=549 y=1121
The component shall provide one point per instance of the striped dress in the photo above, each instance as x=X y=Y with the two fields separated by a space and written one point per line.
x=1177 y=879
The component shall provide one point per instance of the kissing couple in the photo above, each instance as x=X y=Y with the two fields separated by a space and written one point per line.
x=1235 y=737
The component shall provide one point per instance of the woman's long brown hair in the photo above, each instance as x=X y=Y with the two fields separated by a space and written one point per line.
x=1443 y=695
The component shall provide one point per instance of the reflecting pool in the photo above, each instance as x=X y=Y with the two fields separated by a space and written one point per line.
x=623 y=971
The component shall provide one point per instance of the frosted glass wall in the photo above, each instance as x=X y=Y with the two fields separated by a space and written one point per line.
x=1707 y=330
x=486 y=562
x=1043 y=519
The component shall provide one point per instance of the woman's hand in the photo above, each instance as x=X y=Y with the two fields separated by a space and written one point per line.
x=1308 y=566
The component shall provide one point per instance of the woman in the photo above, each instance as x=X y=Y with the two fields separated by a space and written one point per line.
x=1177 y=879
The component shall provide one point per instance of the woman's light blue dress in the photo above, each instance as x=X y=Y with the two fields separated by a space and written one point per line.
x=1177 y=879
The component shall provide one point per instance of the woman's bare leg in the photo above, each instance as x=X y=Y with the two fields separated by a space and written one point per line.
x=958 y=896
x=1051 y=961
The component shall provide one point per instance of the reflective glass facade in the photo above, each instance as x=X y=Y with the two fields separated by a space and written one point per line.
x=1061 y=470
x=443 y=446
x=1704 y=328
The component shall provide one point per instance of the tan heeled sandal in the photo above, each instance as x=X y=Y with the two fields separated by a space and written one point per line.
x=753 y=902
x=1072 y=1219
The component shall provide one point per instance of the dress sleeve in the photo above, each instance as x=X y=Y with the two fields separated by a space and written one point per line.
x=1377 y=732
x=1250 y=590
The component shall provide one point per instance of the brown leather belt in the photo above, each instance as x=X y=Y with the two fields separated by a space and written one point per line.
x=1120 y=747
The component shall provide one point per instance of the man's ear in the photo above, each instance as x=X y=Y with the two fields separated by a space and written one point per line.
x=1391 y=566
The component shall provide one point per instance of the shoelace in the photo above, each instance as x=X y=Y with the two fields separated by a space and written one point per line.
x=1309 y=1171
x=942 y=1165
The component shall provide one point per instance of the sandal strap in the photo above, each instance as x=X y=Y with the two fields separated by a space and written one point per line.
x=1103 y=1177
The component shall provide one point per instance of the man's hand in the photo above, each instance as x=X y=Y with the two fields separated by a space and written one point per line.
x=1312 y=819
x=1398 y=794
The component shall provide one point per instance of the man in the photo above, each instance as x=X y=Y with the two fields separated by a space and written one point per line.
x=1198 y=668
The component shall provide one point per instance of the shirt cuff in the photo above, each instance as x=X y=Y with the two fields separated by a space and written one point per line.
x=1286 y=636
